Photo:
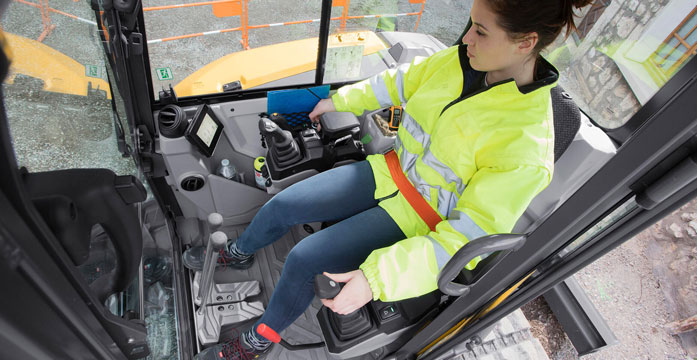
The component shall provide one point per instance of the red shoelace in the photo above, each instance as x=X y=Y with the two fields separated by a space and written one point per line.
x=233 y=350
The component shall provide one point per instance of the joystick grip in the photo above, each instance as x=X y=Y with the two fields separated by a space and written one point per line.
x=280 y=137
x=347 y=326
x=326 y=288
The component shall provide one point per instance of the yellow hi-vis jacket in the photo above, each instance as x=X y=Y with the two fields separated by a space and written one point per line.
x=477 y=158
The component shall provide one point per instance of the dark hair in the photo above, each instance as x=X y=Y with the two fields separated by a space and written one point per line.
x=545 y=17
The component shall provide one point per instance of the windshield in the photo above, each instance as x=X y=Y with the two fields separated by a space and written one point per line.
x=204 y=47
x=612 y=64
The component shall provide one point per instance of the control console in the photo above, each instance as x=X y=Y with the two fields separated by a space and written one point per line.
x=292 y=150
x=372 y=326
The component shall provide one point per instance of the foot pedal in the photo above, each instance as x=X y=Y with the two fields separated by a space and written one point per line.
x=212 y=318
x=228 y=292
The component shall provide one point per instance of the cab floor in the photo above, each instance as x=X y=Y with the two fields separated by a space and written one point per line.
x=510 y=337
x=267 y=269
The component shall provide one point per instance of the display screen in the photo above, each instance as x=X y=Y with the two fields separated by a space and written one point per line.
x=207 y=130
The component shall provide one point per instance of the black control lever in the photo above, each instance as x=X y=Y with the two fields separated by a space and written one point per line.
x=269 y=128
x=282 y=147
x=326 y=288
x=346 y=326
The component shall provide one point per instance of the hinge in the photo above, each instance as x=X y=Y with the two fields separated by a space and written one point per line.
x=135 y=44
x=145 y=148
x=232 y=86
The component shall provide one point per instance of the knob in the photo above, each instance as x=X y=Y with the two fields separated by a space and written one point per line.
x=215 y=220
x=326 y=288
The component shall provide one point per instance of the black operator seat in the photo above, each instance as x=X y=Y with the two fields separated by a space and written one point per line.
x=72 y=202
x=567 y=121
x=386 y=325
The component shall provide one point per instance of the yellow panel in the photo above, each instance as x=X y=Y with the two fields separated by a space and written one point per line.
x=59 y=72
x=269 y=63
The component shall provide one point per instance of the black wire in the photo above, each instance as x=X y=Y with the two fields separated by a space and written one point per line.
x=311 y=92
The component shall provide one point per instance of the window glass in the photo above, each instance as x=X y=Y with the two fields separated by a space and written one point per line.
x=692 y=39
x=57 y=95
x=627 y=51
x=362 y=32
x=609 y=220
x=243 y=43
x=688 y=27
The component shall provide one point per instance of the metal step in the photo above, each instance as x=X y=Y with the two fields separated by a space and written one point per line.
x=211 y=319
x=227 y=292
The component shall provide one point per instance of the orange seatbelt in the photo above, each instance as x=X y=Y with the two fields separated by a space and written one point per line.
x=417 y=202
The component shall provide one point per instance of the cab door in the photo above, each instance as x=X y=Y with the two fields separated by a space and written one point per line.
x=653 y=173
x=71 y=192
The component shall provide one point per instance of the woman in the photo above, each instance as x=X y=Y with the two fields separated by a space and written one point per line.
x=476 y=142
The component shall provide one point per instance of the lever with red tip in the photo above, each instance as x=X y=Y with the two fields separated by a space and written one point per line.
x=273 y=336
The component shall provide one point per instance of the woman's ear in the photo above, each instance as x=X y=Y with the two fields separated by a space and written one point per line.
x=528 y=43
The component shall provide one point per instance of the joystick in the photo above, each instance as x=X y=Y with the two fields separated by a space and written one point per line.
x=282 y=147
x=347 y=326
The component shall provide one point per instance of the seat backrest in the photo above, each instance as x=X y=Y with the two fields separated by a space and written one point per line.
x=567 y=120
x=580 y=149
x=576 y=160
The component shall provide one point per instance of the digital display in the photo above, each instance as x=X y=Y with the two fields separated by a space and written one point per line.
x=204 y=130
x=207 y=130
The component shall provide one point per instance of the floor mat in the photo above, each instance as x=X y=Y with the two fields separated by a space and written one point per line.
x=511 y=337
x=267 y=269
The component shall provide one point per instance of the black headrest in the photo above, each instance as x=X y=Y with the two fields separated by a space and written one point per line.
x=567 y=120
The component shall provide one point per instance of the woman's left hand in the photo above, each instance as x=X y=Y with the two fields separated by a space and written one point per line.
x=353 y=296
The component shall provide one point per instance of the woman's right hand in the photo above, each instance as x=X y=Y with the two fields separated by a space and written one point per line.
x=323 y=106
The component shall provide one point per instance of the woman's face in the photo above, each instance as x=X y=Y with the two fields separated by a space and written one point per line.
x=488 y=46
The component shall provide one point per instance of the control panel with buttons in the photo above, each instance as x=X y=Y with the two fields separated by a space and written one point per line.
x=385 y=311
x=388 y=312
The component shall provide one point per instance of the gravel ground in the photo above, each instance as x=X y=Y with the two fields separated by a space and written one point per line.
x=639 y=287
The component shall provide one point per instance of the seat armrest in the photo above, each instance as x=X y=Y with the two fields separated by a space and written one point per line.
x=477 y=247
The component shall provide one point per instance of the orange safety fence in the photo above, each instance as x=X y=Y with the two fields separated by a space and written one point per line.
x=178 y=6
x=225 y=8
x=46 y=19
x=221 y=8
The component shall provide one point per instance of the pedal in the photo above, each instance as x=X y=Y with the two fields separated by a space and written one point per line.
x=227 y=292
x=214 y=317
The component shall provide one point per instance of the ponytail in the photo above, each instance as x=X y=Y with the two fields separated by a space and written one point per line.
x=568 y=12
x=545 y=17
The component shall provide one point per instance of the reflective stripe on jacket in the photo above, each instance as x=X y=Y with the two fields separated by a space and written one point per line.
x=478 y=159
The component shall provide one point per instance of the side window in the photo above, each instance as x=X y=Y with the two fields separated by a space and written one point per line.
x=58 y=98
x=59 y=106
x=677 y=47
x=233 y=44
x=356 y=51
x=243 y=44
x=623 y=53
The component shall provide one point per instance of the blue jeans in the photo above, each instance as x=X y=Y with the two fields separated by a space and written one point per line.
x=346 y=192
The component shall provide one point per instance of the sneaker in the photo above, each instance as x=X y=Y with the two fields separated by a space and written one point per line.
x=194 y=257
x=236 y=349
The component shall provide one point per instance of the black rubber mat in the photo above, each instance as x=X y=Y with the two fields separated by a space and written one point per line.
x=267 y=269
